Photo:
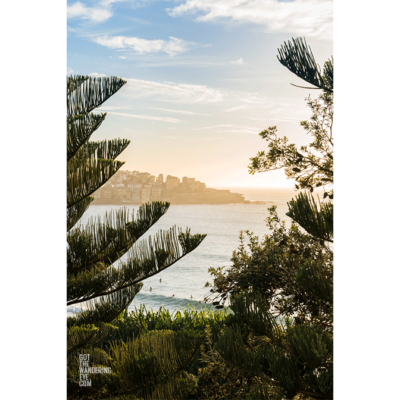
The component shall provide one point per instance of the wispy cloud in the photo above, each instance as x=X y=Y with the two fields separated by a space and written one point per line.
x=237 y=62
x=102 y=12
x=238 y=108
x=104 y=107
x=230 y=128
x=250 y=131
x=179 y=111
x=97 y=75
x=257 y=119
x=301 y=17
x=175 y=92
x=108 y=2
x=251 y=101
x=211 y=139
x=122 y=57
x=93 y=14
x=286 y=119
x=171 y=137
x=149 y=117
x=172 y=46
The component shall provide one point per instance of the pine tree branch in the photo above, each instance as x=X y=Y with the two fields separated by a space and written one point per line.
x=105 y=309
x=79 y=130
x=74 y=82
x=299 y=59
x=105 y=241
x=317 y=222
x=146 y=259
x=106 y=149
x=92 y=93
x=75 y=212
x=86 y=176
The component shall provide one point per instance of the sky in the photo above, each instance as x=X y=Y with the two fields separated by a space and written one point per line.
x=203 y=79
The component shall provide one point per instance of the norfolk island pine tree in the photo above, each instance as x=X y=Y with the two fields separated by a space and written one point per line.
x=99 y=282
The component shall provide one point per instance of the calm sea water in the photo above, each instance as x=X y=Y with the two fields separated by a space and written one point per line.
x=183 y=283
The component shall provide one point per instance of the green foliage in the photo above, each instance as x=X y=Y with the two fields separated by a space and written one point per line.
x=317 y=222
x=142 y=321
x=139 y=366
x=284 y=355
x=103 y=285
x=299 y=59
x=283 y=267
x=216 y=378
x=84 y=94
x=311 y=166
x=281 y=287
x=139 y=323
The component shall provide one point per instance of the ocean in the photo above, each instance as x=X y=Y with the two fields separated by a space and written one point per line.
x=183 y=283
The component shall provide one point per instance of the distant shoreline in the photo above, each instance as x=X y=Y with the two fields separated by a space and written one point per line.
x=131 y=203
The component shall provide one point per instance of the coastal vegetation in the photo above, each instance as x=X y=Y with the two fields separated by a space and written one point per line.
x=281 y=287
x=152 y=364
x=278 y=341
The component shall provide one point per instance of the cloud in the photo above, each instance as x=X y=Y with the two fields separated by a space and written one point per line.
x=112 y=108
x=97 y=75
x=250 y=131
x=179 y=111
x=255 y=101
x=173 y=92
x=286 y=119
x=108 y=2
x=309 y=18
x=172 y=46
x=133 y=3
x=257 y=119
x=237 y=62
x=70 y=71
x=93 y=14
x=230 y=128
x=122 y=57
x=102 y=12
x=149 y=117
x=252 y=102
x=191 y=94
x=211 y=139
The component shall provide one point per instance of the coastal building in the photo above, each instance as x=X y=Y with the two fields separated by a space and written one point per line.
x=188 y=181
x=200 y=185
x=123 y=175
x=122 y=192
x=142 y=187
x=143 y=176
x=171 y=182
x=156 y=191
x=146 y=194
x=107 y=191
x=136 y=195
